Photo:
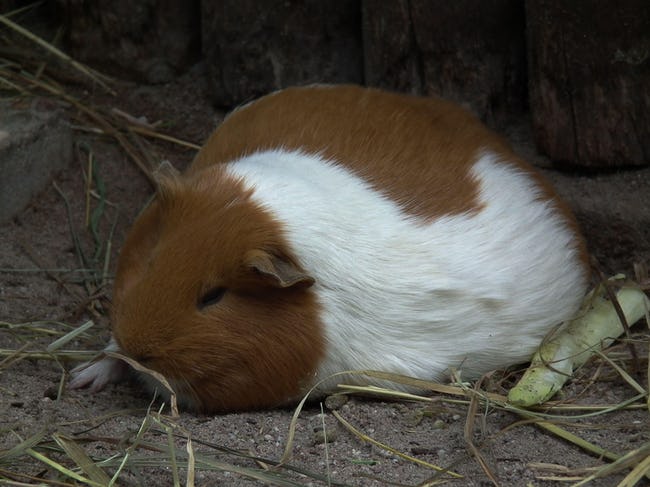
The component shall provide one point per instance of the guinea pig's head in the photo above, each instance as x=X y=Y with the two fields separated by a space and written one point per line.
x=209 y=294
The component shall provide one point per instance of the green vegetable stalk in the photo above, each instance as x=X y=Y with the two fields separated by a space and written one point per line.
x=557 y=358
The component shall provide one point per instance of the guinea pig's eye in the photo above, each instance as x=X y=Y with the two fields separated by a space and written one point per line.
x=213 y=296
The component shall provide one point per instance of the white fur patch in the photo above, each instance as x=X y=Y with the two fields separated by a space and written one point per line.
x=472 y=291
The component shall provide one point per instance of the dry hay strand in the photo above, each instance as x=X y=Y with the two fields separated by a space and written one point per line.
x=96 y=77
x=548 y=417
x=157 y=445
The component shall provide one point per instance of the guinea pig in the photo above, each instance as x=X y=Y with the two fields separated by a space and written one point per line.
x=324 y=229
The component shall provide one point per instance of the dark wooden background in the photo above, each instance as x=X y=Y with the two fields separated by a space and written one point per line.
x=579 y=69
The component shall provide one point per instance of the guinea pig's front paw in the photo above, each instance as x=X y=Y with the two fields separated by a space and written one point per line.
x=95 y=375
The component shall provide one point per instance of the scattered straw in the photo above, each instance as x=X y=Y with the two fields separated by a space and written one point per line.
x=641 y=470
x=98 y=78
x=367 y=439
x=10 y=457
x=638 y=459
x=474 y=396
x=468 y=434
x=124 y=134
x=76 y=453
x=61 y=468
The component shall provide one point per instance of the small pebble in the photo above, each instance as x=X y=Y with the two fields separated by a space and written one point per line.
x=439 y=424
x=319 y=436
x=335 y=401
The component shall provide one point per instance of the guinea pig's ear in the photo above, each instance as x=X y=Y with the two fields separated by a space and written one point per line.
x=277 y=271
x=166 y=179
x=165 y=170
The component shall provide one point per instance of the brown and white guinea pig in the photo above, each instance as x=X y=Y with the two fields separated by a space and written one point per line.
x=332 y=228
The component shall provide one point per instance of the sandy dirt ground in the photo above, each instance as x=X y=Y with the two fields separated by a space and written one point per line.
x=613 y=209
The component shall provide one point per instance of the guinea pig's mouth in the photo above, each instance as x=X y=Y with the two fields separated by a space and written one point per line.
x=166 y=385
x=187 y=382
